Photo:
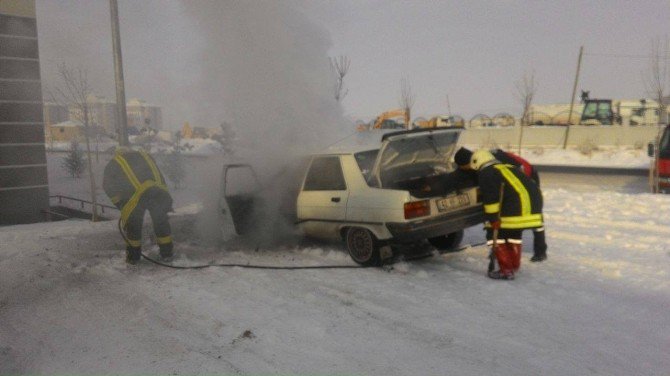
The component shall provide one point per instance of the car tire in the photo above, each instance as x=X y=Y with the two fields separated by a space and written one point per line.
x=447 y=242
x=363 y=246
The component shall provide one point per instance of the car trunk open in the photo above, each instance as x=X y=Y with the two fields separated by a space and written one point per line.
x=415 y=160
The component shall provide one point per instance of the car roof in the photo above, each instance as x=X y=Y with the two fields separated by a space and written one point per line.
x=372 y=140
x=357 y=142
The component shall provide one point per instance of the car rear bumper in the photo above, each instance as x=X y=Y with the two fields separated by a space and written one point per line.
x=443 y=225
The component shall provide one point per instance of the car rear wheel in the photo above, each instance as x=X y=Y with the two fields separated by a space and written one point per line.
x=447 y=242
x=363 y=246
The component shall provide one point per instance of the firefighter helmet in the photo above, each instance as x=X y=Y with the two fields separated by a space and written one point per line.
x=480 y=157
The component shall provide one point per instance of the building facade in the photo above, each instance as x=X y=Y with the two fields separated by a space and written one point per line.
x=24 y=188
x=101 y=113
x=55 y=113
x=142 y=115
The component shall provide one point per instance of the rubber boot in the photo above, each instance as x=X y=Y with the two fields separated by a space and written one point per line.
x=505 y=256
x=539 y=246
x=166 y=252
x=515 y=249
x=133 y=255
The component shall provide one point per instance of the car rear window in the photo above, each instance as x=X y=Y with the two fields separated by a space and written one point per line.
x=366 y=162
x=433 y=149
x=325 y=174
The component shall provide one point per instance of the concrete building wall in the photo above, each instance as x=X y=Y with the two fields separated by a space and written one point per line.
x=142 y=114
x=24 y=188
x=554 y=136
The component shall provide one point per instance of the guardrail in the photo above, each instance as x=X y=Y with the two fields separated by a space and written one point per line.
x=82 y=202
x=555 y=136
x=591 y=170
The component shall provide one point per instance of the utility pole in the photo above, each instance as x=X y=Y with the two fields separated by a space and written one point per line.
x=121 y=116
x=572 y=101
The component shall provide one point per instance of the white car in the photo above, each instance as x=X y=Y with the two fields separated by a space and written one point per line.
x=374 y=197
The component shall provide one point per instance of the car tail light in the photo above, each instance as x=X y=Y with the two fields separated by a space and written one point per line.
x=417 y=209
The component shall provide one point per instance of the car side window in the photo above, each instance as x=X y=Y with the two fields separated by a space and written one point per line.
x=325 y=174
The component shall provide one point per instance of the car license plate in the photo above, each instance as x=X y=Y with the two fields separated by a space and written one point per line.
x=453 y=202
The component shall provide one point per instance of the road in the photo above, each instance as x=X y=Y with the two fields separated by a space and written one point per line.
x=585 y=179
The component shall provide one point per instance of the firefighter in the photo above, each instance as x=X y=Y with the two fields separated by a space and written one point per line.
x=134 y=184
x=462 y=159
x=512 y=203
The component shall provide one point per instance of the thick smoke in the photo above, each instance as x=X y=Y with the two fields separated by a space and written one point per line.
x=265 y=68
x=261 y=66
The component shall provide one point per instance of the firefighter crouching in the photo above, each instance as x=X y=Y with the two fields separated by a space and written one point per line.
x=462 y=159
x=512 y=203
x=134 y=184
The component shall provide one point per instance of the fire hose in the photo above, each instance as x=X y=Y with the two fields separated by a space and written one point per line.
x=267 y=267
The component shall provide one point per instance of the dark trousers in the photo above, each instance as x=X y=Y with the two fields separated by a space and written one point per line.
x=158 y=203
x=539 y=242
x=503 y=234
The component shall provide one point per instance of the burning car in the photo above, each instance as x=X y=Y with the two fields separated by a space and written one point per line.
x=374 y=196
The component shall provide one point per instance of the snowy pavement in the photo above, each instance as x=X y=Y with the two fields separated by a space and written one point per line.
x=69 y=304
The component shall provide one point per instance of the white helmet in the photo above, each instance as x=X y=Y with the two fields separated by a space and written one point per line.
x=480 y=157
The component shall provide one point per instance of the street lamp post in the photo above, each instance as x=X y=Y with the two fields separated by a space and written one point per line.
x=122 y=120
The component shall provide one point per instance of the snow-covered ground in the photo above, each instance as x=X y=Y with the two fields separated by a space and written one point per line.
x=599 y=305
x=601 y=156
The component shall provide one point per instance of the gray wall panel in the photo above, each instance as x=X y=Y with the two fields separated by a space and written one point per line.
x=21 y=133
x=21 y=26
x=20 y=91
x=18 y=47
x=22 y=155
x=19 y=69
x=23 y=176
x=21 y=112
x=23 y=205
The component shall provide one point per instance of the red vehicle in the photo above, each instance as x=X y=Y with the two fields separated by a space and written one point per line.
x=662 y=164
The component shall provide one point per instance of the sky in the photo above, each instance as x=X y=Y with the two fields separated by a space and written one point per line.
x=474 y=52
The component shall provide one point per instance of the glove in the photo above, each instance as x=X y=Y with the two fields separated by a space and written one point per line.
x=495 y=225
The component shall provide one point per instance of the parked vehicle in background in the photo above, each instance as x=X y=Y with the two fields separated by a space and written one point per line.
x=660 y=169
x=393 y=119
x=440 y=121
x=599 y=112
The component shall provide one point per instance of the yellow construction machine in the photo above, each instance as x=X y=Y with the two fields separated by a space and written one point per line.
x=386 y=120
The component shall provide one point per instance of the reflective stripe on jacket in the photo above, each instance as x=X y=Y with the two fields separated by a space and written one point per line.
x=128 y=176
x=521 y=205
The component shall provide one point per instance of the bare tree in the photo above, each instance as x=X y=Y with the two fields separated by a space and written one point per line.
x=407 y=99
x=74 y=90
x=340 y=66
x=226 y=139
x=526 y=88
x=656 y=82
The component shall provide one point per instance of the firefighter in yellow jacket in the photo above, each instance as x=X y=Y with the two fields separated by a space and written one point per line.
x=134 y=184
x=512 y=203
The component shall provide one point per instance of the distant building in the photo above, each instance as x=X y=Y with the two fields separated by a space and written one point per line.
x=189 y=132
x=101 y=113
x=142 y=115
x=55 y=113
x=24 y=187
x=65 y=131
